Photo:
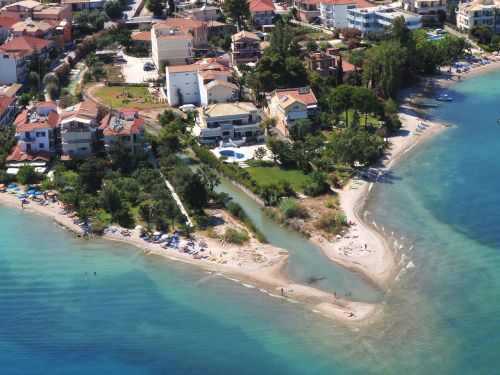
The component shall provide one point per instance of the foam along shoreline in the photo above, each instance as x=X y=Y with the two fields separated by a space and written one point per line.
x=253 y=265
x=380 y=261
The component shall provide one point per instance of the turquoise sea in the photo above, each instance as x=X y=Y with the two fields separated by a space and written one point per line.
x=148 y=315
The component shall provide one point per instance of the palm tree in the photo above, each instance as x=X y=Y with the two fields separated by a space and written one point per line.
x=266 y=125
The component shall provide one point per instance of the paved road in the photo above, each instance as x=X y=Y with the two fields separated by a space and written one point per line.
x=461 y=35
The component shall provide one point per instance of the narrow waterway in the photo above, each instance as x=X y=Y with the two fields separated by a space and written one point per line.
x=305 y=259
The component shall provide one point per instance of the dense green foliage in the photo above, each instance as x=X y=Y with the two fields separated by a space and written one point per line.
x=238 y=12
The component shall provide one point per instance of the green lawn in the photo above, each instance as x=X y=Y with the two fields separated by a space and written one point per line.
x=265 y=175
x=115 y=96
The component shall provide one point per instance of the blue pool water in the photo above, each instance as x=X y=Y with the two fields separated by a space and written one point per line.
x=149 y=315
x=231 y=153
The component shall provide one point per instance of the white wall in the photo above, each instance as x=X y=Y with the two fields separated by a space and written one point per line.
x=8 y=72
x=187 y=82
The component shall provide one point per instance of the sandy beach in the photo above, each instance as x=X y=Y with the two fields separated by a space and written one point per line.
x=254 y=265
x=377 y=261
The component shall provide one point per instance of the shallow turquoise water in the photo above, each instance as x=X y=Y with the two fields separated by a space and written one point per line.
x=148 y=315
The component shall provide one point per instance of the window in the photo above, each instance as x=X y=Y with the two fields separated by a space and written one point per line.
x=296 y=107
x=226 y=133
x=248 y=133
x=41 y=145
x=28 y=146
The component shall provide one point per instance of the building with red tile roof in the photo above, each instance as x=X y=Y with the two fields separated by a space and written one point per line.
x=78 y=125
x=325 y=63
x=5 y=25
x=17 y=155
x=15 y=54
x=171 y=44
x=124 y=129
x=290 y=105
x=7 y=109
x=262 y=11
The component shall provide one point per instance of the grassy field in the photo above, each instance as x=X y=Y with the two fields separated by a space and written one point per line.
x=115 y=96
x=267 y=174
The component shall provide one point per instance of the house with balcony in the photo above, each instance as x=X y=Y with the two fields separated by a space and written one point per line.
x=171 y=45
x=204 y=82
x=290 y=105
x=245 y=48
x=124 y=130
x=333 y=13
x=227 y=122
x=36 y=133
x=430 y=11
x=325 y=63
x=379 y=17
x=262 y=12
x=77 y=129
x=478 y=12
x=308 y=10
x=206 y=13
x=15 y=55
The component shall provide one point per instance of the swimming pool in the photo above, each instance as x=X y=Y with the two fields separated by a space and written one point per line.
x=434 y=37
x=231 y=153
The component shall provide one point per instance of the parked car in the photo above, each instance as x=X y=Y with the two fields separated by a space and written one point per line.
x=187 y=108
x=440 y=31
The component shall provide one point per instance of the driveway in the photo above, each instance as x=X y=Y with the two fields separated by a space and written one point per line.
x=133 y=69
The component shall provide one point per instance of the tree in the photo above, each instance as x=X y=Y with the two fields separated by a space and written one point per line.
x=339 y=71
x=110 y=199
x=146 y=212
x=312 y=46
x=341 y=100
x=267 y=124
x=180 y=97
x=496 y=12
x=299 y=130
x=482 y=33
x=190 y=188
x=34 y=80
x=238 y=11
x=155 y=6
x=260 y=153
x=399 y=31
x=208 y=177
x=52 y=90
x=51 y=78
x=24 y=100
x=113 y=9
x=27 y=175
x=365 y=101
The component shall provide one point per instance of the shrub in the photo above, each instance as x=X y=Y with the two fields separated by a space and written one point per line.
x=235 y=236
x=291 y=208
x=212 y=233
x=332 y=222
x=237 y=211
x=330 y=202
x=98 y=227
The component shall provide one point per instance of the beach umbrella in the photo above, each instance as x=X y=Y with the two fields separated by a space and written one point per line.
x=157 y=234
x=138 y=227
x=11 y=186
x=51 y=194
x=17 y=189
x=21 y=196
x=164 y=237
x=30 y=192
x=38 y=193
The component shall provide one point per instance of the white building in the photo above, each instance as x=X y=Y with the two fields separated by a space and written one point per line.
x=262 y=12
x=477 y=12
x=124 y=129
x=15 y=55
x=227 y=121
x=334 y=13
x=207 y=81
x=171 y=45
x=376 y=18
x=78 y=125
x=429 y=10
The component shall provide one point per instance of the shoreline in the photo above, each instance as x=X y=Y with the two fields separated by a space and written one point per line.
x=378 y=262
x=266 y=275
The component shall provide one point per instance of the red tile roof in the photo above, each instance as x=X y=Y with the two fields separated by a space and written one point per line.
x=17 y=154
x=307 y=98
x=25 y=45
x=129 y=127
x=23 y=123
x=183 y=23
x=6 y=22
x=142 y=36
x=5 y=102
x=261 y=5
x=48 y=104
x=22 y=117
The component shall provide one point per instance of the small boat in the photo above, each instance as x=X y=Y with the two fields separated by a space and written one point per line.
x=444 y=98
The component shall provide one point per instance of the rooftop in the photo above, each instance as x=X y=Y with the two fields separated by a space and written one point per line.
x=17 y=154
x=302 y=94
x=24 y=45
x=142 y=36
x=116 y=124
x=261 y=5
x=227 y=109
x=245 y=35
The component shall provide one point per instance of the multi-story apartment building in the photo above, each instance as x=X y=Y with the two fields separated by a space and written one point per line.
x=431 y=11
x=245 y=47
x=262 y=12
x=308 y=10
x=7 y=109
x=376 y=18
x=290 y=105
x=58 y=15
x=78 y=125
x=124 y=129
x=333 y=13
x=15 y=55
x=478 y=12
x=205 y=13
x=198 y=29
x=171 y=45
x=206 y=81
x=227 y=121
